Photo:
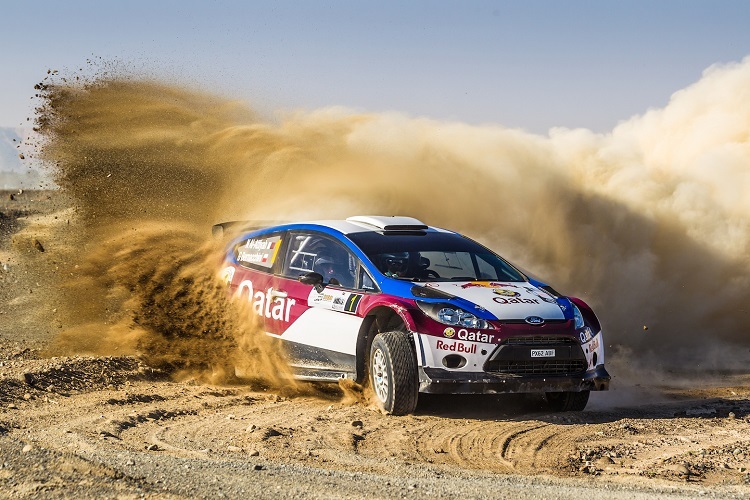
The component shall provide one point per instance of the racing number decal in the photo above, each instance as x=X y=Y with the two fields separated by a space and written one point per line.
x=352 y=302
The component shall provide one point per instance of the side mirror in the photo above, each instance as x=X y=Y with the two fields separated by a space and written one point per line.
x=312 y=278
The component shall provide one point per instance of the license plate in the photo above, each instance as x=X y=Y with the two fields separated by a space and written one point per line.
x=542 y=353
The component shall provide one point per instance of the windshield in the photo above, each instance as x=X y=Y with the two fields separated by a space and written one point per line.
x=432 y=256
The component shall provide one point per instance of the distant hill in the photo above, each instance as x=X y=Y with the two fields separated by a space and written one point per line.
x=14 y=172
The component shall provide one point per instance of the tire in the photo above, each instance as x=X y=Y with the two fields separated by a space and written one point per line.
x=568 y=401
x=393 y=373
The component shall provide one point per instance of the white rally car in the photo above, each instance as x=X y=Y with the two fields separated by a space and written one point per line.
x=411 y=308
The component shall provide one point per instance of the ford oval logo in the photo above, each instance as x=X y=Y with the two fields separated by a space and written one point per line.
x=534 y=320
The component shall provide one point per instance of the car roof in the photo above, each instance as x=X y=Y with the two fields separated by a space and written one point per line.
x=355 y=224
x=369 y=223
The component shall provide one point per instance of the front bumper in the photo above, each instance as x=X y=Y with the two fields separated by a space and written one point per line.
x=439 y=381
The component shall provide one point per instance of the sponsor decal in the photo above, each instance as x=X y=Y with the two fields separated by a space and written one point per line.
x=464 y=334
x=479 y=283
x=503 y=300
x=259 y=251
x=456 y=346
x=487 y=284
x=534 y=320
x=322 y=298
x=594 y=344
x=585 y=335
x=335 y=300
x=546 y=298
x=506 y=293
x=265 y=303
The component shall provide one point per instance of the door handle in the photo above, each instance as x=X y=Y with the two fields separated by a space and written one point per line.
x=279 y=293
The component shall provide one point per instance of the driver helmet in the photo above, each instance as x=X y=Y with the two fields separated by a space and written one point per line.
x=325 y=265
x=395 y=264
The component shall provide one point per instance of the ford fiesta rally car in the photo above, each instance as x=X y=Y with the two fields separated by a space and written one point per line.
x=411 y=308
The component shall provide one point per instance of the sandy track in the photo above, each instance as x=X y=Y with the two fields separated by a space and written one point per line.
x=111 y=426
x=125 y=428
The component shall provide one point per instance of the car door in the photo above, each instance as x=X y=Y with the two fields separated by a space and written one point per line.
x=321 y=337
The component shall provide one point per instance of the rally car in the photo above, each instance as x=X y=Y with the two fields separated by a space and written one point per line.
x=406 y=308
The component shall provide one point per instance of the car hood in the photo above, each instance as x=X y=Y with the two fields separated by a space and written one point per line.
x=516 y=300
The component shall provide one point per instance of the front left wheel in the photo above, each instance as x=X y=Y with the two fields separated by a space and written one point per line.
x=393 y=373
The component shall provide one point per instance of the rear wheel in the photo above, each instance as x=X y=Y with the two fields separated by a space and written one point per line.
x=393 y=373
x=568 y=401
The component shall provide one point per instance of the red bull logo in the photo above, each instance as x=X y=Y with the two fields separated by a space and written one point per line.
x=487 y=284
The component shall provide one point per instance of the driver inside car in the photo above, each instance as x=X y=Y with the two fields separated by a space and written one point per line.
x=333 y=273
x=395 y=265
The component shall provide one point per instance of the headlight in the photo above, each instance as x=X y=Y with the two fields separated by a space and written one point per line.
x=448 y=314
x=577 y=317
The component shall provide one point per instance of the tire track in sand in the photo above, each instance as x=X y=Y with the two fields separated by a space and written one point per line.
x=500 y=446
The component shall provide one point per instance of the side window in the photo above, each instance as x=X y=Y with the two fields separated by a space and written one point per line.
x=311 y=252
x=258 y=252
x=365 y=281
x=300 y=258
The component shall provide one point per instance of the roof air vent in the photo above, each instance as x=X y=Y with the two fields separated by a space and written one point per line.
x=384 y=223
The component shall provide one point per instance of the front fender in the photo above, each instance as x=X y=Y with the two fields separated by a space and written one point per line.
x=588 y=314
x=381 y=315
x=400 y=307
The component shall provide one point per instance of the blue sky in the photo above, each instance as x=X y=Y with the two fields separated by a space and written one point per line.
x=527 y=64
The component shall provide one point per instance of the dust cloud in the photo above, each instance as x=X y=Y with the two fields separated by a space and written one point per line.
x=649 y=223
x=143 y=279
x=154 y=292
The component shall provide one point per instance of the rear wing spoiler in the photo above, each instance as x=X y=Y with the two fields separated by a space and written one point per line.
x=230 y=228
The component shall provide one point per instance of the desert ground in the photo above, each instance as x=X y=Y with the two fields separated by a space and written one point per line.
x=85 y=426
